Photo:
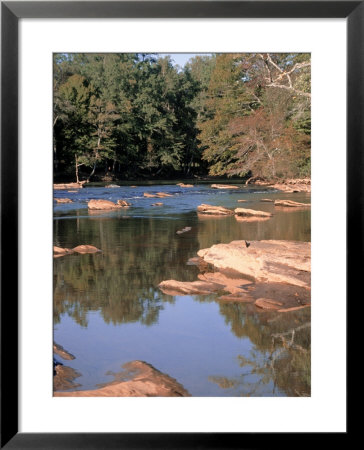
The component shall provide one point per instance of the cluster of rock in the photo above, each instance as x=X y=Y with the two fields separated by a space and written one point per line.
x=274 y=275
x=238 y=212
x=291 y=186
x=288 y=186
x=82 y=249
x=157 y=195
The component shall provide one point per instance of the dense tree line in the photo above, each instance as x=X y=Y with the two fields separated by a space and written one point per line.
x=129 y=116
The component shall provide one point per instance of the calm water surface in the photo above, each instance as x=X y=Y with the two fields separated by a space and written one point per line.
x=108 y=309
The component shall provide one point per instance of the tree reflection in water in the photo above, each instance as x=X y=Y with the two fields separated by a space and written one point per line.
x=281 y=352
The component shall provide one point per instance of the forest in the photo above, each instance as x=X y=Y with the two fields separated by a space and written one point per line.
x=129 y=116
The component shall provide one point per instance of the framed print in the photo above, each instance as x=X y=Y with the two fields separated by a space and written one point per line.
x=177 y=201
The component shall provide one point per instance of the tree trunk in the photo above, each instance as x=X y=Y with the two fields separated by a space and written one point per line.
x=93 y=171
x=77 y=180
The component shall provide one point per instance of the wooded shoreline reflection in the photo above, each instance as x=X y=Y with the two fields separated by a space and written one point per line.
x=138 y=253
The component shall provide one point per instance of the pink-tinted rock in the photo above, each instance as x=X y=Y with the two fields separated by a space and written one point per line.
x=224 y=186
x=276 y=261
x=63 y=200
x=102 y=205
x=138 y=379
x=123 y=203
x=214 y=210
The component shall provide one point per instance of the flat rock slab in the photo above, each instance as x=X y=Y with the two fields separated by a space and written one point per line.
x=102 y=205
x=274 y=261
x=68 y=185
x=182 y=185
x=266 y=200
x=138 y=379
x=157 y=204
x=224 y=186
x=214 y=210
x=290 y=204
x=251 y=212
x=164 y=194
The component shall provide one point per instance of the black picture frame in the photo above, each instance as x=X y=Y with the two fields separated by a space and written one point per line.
x=11 y=12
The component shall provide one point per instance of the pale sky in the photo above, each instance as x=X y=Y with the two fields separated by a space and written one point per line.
x=182 y=58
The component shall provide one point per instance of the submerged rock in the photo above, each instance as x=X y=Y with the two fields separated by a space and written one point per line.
x=157 y=204
x=182 y=185
x=290 y=203
x=184 y=230
x=112 y=186
x=224 y=186
x=251 y=212
x=139 y=379
x=163 y=194
x=214 y=210
x=102 y=205
x=267 y=200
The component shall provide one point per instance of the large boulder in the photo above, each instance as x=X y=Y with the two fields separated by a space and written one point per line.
x=274 y=261
x=102 y=205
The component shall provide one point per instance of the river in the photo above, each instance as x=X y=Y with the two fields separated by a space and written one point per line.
x=108 y=309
